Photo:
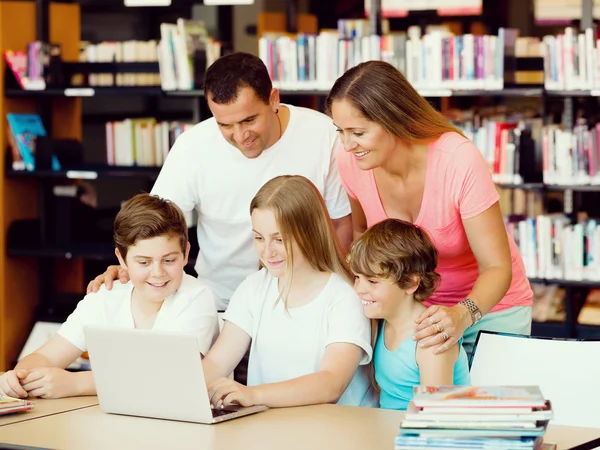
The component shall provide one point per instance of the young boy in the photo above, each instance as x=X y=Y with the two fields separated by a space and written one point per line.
x=151 y=242
x=394 y=264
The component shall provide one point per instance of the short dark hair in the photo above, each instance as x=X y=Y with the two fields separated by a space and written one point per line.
x=228 y=74
x=146 y=216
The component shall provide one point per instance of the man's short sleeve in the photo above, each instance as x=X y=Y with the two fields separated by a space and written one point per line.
x=177 y=178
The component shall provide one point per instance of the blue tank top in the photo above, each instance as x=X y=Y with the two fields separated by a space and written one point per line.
x=397 y=372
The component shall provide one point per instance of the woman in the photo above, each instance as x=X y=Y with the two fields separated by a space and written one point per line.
x=402 y=159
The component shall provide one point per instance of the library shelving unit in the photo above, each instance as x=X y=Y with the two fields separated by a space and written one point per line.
x=20 y=197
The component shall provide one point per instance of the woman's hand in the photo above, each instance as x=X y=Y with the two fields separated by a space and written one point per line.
x=442 y=326
x=50 y=382
x=225 y=391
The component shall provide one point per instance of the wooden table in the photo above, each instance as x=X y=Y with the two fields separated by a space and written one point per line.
x=43 y=408
x=313 y=427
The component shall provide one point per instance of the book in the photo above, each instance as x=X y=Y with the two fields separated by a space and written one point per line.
x=478 y=396
x=431 y=414
x=10 y=405
x=25 y=128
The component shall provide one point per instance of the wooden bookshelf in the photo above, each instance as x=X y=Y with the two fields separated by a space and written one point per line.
x=19 y=276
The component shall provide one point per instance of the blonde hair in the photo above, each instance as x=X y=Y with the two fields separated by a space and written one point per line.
x=398 y=250
x=383 y=95
x=302 y=218
x=146 y=216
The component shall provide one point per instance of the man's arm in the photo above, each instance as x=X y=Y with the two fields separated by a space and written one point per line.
x=343 y=228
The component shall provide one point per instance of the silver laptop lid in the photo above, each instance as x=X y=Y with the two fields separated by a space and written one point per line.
x=148 y=373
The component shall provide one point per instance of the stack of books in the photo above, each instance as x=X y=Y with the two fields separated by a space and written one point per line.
x=12 y=405
x=475 y=417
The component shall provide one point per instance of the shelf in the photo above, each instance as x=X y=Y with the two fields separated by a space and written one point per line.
x=573 y=93
x=148 y=91
x=571 y=283
x=551 y=187
x=524 y=186
x=98 y=252
x=587 y=331
x=89 y=173
x=549 y=329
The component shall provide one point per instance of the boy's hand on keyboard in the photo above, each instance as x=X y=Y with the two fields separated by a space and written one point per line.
x=224 y=392
x=49 y=382
x=10 y=384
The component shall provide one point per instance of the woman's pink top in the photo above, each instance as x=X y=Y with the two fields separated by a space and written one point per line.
x=458 y=186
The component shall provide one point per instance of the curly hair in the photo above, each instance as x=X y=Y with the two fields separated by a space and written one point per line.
x=399 y=250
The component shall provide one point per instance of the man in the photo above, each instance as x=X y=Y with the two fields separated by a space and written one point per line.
x=218 y=166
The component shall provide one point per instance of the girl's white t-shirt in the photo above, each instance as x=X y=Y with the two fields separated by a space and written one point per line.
x=290 y=343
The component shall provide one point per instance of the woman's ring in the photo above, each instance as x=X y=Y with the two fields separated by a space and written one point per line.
x=438 y=327
x=445 y=336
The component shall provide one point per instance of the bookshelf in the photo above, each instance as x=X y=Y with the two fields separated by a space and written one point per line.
x=21 y=197
x=24 y=194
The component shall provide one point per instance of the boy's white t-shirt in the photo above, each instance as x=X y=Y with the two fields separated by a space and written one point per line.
x=203 y=172
x=191 y=309
x=289 y=344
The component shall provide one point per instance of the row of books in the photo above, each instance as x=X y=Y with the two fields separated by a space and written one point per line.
x=571 y=156
x=141 y=142
x=475 y=417
x=433 y=61
x=505 y=143
x=572 y=60
x=552 y=247
x=112 y=51
x=185 y=51
x=36 y=68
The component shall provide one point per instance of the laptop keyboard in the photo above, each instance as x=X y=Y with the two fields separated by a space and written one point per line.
x=221 y=412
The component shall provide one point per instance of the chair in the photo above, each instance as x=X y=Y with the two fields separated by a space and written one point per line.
x=566 y=370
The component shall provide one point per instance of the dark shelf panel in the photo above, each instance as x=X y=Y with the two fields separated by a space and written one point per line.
x=89 y=173
x=98 y=252
x=574 y=187
x=573 y=93
x=573 y=283
x=524 y=186
x=550 y=329
x=149 y=91
x=587 y=331
x=551 y=187
x=157 y=91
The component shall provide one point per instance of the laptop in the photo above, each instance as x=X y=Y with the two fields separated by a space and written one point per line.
x=154 y=374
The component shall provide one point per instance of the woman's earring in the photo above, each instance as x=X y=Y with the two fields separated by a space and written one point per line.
x=277 y=111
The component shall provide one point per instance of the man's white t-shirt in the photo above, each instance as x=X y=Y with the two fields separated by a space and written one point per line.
x=206 y=173
x=189 y=310
x=289 y=344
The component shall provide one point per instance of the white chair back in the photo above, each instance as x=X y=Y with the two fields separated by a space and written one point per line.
x=566 y=370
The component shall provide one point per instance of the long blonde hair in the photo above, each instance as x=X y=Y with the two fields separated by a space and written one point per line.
x=383 y=95
x=302 y=218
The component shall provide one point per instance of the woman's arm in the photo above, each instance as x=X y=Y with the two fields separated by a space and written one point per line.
x=227 y=352
x=489 y=242
x=336 y=371
x=359 y=220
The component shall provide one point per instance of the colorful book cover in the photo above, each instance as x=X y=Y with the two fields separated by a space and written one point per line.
x=25 y=128
x=497 y=396
x=11 y=405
